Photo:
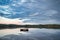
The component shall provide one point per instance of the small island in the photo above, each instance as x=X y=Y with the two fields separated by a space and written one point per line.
x=24 y=29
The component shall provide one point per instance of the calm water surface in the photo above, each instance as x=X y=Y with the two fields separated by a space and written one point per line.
x=32 y=34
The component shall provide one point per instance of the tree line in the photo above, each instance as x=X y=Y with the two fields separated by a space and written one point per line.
x=2 y=26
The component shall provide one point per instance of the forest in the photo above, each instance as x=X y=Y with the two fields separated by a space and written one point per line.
x=2 y=26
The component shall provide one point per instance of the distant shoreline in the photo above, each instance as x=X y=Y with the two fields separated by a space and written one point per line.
x=12 y=26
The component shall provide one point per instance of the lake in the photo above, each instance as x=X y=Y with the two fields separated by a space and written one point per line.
x=32 y=34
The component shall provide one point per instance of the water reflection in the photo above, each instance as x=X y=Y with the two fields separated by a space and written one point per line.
x=32 y=34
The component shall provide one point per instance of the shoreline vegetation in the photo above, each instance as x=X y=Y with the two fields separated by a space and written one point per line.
x=11 y=26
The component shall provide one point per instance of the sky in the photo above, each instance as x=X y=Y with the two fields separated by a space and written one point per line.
x=29 y=12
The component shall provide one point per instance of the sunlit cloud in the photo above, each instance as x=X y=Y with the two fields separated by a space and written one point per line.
x=10 y=21
x=17 y=21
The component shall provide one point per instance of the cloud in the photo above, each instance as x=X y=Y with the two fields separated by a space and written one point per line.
x=17 y=3
x=30 y=23
x=50 y=12
x=4 y=20
x=43 y=21
x=34 y=14
x=50 y=21
x=34 y=10
x=17 y=21
x=23 y=0
x=5 y=12
x=5 y=9
x=5 y=2
x=6 y=6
